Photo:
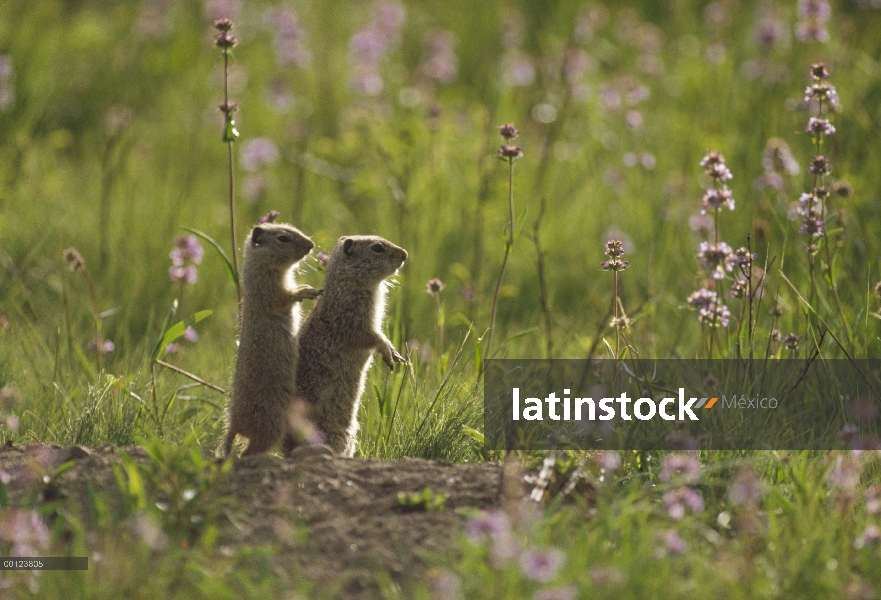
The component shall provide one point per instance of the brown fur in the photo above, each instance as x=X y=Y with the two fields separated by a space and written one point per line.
x=340 y=335
x=266 y=360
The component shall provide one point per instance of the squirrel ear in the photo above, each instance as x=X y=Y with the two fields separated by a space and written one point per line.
x=256 y=235
x=347 y=246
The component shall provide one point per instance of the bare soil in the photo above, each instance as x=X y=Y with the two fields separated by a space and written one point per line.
x=337 y=522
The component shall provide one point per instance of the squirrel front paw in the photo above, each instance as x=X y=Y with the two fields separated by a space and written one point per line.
x=306 y=292
x=392 y=357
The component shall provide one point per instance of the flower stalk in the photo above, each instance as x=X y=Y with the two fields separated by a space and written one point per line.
x=510 y=153
x=226 y=41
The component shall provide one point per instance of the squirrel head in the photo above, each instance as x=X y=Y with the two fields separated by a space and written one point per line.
x=277 y=245
x=365 y=258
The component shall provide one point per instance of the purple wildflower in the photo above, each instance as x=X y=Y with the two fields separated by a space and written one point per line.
x=542 y=565
x=716 y=257
x=739 y=288
x=679 y=499
x=820 y=166
x=269 y=217
x=508 y=131
x=258 y=152
x=187 y=248
x=778 y=158
x=673 y=543
x=686 y=466
x=791 y=341
x=817 y=127
x=517 y=68
x=608 y=460
x=369 y=46
x=215 y=10
x=289 y=45
x=187 y=274
x=105 y=347
x=441 y=63
x=485 y=525
x=822 y=92
x=511 y=153
x=813 y=16
x=187 y=253
x=700 y=222
x=613 y=250
x=872 y=535
x=12 y=423
x=145 y=528
x=715 y=199
x=845 y=473
x=26 y=531
x=714 y=165
x=493 y=525
x=701 y=298
x=814 y=9
x=445 y=585
x=745 y=488
x=770 y=33
x=810 y=207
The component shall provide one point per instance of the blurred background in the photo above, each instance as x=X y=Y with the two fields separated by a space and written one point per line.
x=382 y=117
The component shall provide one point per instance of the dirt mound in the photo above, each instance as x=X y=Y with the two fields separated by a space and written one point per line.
x=338 y=522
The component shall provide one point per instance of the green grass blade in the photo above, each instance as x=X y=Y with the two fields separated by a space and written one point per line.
x=177 y=330
x=224 y=257
x=158 y=347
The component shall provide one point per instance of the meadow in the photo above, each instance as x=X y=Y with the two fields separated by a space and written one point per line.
x=384 y=118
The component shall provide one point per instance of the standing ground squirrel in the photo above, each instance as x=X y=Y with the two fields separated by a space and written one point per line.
x=341 y=333
x=266 y=360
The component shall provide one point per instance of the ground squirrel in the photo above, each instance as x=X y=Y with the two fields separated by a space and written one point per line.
x=339 y=336
x=266 y=360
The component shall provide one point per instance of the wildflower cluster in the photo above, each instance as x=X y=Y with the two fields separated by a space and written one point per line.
x=185 y=256
x=509 y=151
x=711 y=312
x=813 y=16
x=441 y=63
x=777 y=161
x=614 y=250
x=718 y=257
x=289 y=41
x=507 y=549
x=370 y=46
x=821 y=98
x=681 y=472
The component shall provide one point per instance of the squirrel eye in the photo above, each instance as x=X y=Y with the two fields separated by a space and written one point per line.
x=284 y=238
x=378 y=248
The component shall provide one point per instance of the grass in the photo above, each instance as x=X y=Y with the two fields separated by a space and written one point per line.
x=112 y=145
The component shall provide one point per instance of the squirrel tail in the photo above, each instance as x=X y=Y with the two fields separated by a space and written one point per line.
x=226 y=447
